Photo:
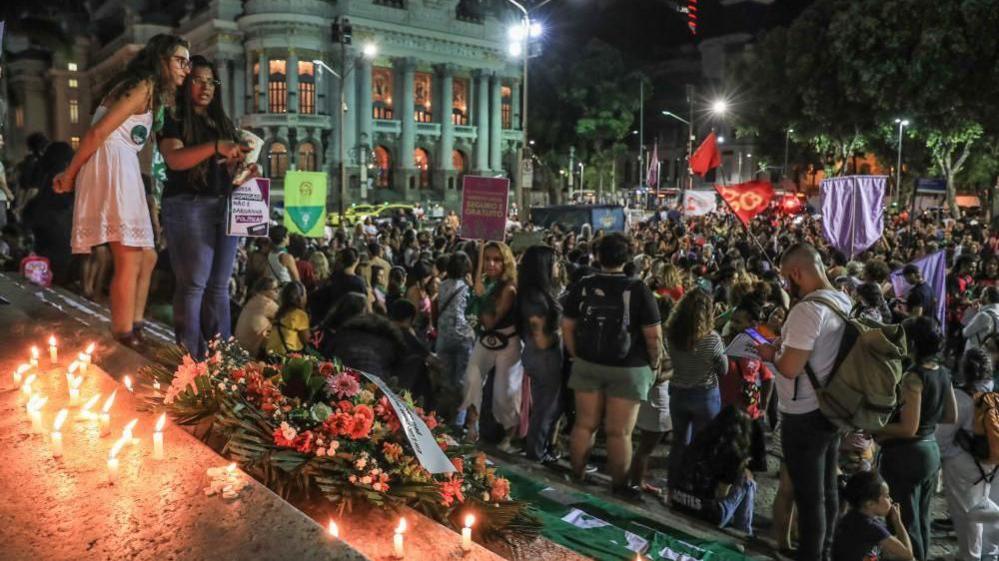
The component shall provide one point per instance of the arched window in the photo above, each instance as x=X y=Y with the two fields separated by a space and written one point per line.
x=307 y=156
x=277 y=160
x=306 y=87
x=383 y=165
x=277 y=88
x=458 y=161
x=422 y=160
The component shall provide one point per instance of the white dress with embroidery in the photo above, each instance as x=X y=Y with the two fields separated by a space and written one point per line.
x=110 y=201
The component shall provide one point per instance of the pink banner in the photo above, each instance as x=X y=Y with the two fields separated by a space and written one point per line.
x=483 y=207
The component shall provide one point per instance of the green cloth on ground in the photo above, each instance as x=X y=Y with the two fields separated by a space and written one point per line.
x=604 y=531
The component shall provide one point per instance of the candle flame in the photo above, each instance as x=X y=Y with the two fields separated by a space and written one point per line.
x=73 y=366
x=82 y=357
x=334 y=530
x=127 y=431
x=160 y=423
x=28 y=381
x=59 y=420
x=90 y=403
x=469 y=520
x=402 y=526
x=34 y=352
x=90 y=349
x=75 y=381
x=231 y=468
x=110 y=400
x=52 y=340
x=117 y=448
x=23 y=368
x=128 y=383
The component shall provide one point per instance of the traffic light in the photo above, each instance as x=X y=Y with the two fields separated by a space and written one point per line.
x=342 y=31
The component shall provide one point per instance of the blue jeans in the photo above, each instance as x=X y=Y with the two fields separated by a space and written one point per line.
x=202 y=257
x=690 y=409
x=736 y=508
x=453 y=353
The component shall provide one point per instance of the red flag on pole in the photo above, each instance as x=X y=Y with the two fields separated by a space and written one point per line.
x=706 y=157
x=747 y=199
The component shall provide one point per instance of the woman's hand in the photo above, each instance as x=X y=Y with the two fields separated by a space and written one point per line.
x=64 y=182
x=231 y=151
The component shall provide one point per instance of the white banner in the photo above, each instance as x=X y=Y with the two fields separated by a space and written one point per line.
x=430 y=455
x=699 y=203
x=249 y=209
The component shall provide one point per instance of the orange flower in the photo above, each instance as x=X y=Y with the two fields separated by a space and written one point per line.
x=500 y=490
x=459 y=464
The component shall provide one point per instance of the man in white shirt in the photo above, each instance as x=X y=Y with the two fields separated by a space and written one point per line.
x=810 y=337
x=984 y=323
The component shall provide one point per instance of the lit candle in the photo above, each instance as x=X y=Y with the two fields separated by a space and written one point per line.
x=397 y=540
x=34 y=357
x=88 y=355
x=26 y=386
x=53 y=350
x=466 y=533
x=156 y=385
x=35 y=411
x=334 y=530
x=128 y=383
x=85 y=412
x=113 y=460
x=57 y=434
x=126 y=433
x=19 y=373
x=74 y=390
x=83 y=362
x=105 y=418
x=158 y=438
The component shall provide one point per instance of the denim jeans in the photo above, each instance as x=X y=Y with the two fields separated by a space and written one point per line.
x=202 y=257
x=736 y=508
x=544 y=368
x=690 y=409
x=453 y=353
x=811 y=445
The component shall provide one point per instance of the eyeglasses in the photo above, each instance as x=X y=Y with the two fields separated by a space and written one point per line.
x=211 y=84
x=183 y=62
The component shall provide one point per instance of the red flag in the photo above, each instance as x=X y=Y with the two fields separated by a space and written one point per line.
x=747 y=199
x=706 y=157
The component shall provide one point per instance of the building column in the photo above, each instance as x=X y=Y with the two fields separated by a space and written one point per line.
x=515 y=94
x=407 y=143
x=263 y=77
x=350 y=118
x=291 y=78
x=225 y=77
x=496 y=124
x=444 y=108
x=481 y=121
x=238 y=86
x=365 y=122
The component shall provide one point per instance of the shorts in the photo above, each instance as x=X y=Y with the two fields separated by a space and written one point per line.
x=653 y=414
x=624 y=382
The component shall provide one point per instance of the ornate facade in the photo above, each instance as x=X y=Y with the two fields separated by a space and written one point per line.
x=441 y=97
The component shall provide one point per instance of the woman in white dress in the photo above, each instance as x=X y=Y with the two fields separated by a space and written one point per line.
x=110 y=206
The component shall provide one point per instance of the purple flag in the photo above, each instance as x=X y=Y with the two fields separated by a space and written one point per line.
x=934 y=271
x=652 y=174
x=853 y=212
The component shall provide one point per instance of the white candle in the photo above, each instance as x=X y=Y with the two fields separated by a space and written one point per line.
x=466 y=533
x=158 y=438
x=113 y=461
x=53 y=350
x=126 y=433
x=19 y=373
x=35 y=405
x=34 y=357
x=334 y=530
x=57 y=434
x=105 y=417
x=26 y=386
x=83 y=361
x=74 y=397
x=397 y=540
x=156 y=385
x=128 y=383
x=85 y=412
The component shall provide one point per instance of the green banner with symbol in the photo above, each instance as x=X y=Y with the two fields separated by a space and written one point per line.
x=305 y=203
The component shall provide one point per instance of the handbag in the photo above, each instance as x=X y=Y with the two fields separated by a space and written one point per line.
x=494 y=340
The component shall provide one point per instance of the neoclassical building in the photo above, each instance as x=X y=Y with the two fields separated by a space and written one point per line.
x=439 y=98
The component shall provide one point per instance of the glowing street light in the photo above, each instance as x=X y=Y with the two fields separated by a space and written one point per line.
x=902 y=123
x=719 y=106
x=369 y=50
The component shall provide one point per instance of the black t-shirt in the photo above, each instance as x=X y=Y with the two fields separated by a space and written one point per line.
x=922 y=295
x=325 y=297
x=216 y=182
x=858 y=537
x=644 y=313
x=534 y=303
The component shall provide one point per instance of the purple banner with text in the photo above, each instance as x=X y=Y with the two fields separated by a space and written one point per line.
x=483 y=207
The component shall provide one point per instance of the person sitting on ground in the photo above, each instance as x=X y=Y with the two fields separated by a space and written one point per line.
x=362 y=340
x=254 y=323
x=861 y=535
x=290 y=332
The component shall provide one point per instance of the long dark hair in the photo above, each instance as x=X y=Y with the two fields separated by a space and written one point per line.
x=213 y=125
x=151 y=64
x=691 y=320
x=292 y=297
x=534 y=281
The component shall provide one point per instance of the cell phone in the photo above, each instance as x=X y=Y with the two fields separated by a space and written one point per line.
x=757 y=336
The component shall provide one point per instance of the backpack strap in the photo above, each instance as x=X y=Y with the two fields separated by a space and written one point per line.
x=850 y=336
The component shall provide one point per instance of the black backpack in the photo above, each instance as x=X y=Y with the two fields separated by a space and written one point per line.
x=603 y=330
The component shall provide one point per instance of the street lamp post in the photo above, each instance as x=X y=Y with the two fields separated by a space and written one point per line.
x=690 y=142
x=902 y=123
x=369 y=51
x=787 y=141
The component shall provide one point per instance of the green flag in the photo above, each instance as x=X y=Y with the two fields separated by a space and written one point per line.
x=305 y=203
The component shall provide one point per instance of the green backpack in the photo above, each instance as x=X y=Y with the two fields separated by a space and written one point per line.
x=862 y=389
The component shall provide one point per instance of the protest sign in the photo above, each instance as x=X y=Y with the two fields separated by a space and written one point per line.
x=248 y=209
x=305 y=203
x=483 y=207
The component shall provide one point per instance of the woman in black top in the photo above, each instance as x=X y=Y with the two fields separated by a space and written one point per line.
x=910 y=457
x=200 y=146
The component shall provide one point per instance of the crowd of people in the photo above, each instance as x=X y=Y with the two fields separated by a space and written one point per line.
x=588 y=334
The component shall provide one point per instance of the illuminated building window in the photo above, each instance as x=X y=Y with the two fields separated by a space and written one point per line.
x=306 y=87
x=74 y=141
x=72 y=67
x=277 y=160
x=74 y=111
x=73 y=83
x=277 y=87
x=19 y=117
x=381 y=93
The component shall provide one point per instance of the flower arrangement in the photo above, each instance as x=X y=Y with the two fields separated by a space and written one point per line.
x=307 y=425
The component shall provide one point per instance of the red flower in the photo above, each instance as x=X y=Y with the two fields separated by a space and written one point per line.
x=451 y=491
x=431 y=421
x=459 y=464
x=392 y=451
x=281 y=441
x=304 y=442
x=326 y=369
x=345 y=406
x=339 y=424
x=364 y=419
x=500 y=490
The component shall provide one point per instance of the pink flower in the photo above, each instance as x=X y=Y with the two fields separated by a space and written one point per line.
x=344 y=385
x=186 y=373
